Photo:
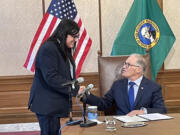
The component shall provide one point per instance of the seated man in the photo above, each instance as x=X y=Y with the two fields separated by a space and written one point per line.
x=133 y=95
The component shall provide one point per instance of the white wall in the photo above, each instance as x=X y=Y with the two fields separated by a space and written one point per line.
x=19 y=20
x=171 y=10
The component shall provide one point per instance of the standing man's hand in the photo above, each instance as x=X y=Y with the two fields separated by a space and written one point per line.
x=81 y=89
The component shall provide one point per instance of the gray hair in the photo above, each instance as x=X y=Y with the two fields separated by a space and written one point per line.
x=140 y=61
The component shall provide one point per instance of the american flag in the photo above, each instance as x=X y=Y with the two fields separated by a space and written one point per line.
x=58 y=10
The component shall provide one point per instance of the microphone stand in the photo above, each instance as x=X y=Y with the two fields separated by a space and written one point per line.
x=71 y=121
x=86 y=123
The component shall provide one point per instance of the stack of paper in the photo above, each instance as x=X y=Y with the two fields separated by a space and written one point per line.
x=144 y=117
x=155 y=116
x=130 y=119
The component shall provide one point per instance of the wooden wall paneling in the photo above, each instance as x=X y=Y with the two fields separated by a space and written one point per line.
x=170 y=82
x=14 y=95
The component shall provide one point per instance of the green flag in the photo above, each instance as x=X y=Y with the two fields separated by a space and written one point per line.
x=145 y=28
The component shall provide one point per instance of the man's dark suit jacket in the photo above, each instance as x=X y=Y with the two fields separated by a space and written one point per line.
x=48 y=96
x=149 y=96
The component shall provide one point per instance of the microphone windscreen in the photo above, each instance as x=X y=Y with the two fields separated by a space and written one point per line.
x=80 y=79
x=90 y=86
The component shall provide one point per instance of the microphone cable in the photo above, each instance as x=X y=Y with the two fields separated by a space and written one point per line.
x=69 y=123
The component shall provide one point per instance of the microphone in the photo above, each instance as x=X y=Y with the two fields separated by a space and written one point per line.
x=89 y=87
x=79 y=80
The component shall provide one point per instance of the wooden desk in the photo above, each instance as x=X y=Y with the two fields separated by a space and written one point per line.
x=162 y=127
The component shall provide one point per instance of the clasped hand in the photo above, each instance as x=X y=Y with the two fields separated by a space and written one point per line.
x=135 y=112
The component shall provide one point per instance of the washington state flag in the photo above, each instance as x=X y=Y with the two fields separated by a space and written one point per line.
x=145 y=29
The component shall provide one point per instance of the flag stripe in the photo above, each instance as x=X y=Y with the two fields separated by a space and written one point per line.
x=81 y=40
x=58 y=10
x=82 y=46
x=39 y=41
x=82 y=50
x=79 y=22
x=36 y=38
x=57 y=22
x=78 y=70
x=49 y=31
x=79 y=43
x=50 y=28
x=80 y=53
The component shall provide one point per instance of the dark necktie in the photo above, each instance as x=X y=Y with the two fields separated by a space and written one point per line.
x=131 y=95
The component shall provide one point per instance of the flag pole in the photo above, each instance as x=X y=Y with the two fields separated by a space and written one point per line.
x=100 y=30
x=160 y=3
x=43 y=7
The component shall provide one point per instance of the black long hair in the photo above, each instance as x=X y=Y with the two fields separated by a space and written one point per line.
x=65 y=27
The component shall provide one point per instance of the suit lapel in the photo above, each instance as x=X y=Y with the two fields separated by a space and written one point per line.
x=141 y=91
x=125 y=92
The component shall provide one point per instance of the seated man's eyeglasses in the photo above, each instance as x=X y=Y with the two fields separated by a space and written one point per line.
x=128 y=65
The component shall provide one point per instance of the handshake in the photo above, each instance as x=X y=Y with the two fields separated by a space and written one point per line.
x=82 y=90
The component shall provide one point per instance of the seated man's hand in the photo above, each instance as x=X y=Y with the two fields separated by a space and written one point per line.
x=135 y=112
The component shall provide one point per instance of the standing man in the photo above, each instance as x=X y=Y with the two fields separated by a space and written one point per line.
x=54 y=65
x=133 y=95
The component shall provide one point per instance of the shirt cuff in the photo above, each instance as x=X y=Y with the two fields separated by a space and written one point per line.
x=88 y=93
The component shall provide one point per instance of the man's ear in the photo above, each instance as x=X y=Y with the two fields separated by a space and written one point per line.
x=139 y=70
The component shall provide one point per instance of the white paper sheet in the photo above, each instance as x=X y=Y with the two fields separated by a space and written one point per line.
x=155 y=116
x=130 y=118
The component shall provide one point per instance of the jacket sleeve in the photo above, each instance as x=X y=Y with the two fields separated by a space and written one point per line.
x=48 y=64
x=157 y=102
x=103 y=103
